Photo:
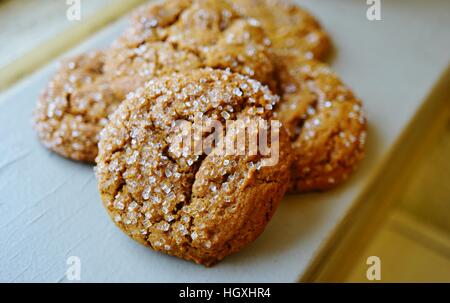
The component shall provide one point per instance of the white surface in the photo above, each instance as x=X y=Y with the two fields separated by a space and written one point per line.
x=27 y=23
x=50 y=208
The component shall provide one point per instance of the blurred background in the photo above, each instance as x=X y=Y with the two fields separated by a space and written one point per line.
x=403 y=218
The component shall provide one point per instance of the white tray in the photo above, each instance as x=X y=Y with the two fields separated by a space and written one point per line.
x=50 y=208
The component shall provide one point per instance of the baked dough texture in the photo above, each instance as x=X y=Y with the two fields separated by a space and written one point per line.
x=189 y=59
x=176 y=36
x=293 y=31
x=74 y=106
x=325 y=120
x=199 y=207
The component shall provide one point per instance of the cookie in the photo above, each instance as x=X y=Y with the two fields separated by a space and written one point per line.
x=130 y=67
x=293 y=31
x=208 y=29
x=74 y=106
x=176 y=36
x=196 y=206
x=325 y=120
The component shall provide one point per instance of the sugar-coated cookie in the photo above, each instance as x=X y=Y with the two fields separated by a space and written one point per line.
x=200 y=207
x=174 y=36
x=74 y=106
x=292 y=30
x=325 y=120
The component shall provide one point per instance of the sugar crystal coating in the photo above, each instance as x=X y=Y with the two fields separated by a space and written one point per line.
x=78 y=100
x=326 y=124
x=74 y=106
x=174 y=36
x=292 y=30
x=325 y=120
x=204 y=207
x=297 y=41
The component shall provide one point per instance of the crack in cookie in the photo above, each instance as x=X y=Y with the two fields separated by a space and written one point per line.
x=325 y=120
x=197 y=207
x=180 y=35
x=74 y=106
x=174 y=36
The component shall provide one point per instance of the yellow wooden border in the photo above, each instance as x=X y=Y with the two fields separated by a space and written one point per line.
x=48 y=50
x=334 y=260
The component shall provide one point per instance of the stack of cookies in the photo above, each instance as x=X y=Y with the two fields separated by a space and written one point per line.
x=213 y=60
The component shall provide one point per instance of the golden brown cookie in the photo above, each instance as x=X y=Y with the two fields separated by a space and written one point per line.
x=325 y=120
x=293 y=31
x=211 y=30
x=74 y=106
x=200 y=207
x=129 y=68
x=177 y=35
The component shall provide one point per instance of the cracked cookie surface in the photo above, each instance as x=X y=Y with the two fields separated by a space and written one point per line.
x=211 y=30
x=175 y=36
x=292 y=30
x=200 y=207
x=325 y=120
x=74 y=106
